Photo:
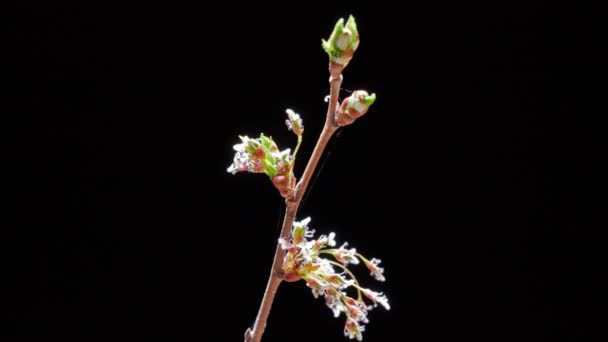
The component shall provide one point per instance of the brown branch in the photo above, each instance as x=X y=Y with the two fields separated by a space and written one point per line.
x=292 y=204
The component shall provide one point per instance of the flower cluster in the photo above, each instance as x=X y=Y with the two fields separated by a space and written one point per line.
x=262 y=155
x=303 y=261
x=341 y=45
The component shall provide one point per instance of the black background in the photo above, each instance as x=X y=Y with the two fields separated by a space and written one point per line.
x=464 y=177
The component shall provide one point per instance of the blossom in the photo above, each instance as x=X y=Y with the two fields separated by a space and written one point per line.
x=352 y=329
x=376 y=272
x=300 y=231
x=294 y=122
x=377 y=298
x=345 y=256
x=248 y=156
x=323 y=241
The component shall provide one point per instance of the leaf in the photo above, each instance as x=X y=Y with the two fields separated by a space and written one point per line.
x=269 y=168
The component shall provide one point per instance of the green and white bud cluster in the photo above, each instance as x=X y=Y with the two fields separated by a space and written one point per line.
x=341 y=45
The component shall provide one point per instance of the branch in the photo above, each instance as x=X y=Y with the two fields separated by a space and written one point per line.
x=292 y=204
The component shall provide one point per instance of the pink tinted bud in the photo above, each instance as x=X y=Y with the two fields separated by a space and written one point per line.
x=354 y=107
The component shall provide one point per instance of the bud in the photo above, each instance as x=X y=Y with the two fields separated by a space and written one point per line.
x=294 y=122
x=341 y=45
x=354 y=106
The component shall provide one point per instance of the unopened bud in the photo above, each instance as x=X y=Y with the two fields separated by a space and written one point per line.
x=354 y=106
x=341 y=45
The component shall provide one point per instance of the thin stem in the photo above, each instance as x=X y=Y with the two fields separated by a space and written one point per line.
x=295 y=152
x=328 y=130
x=343 y=268
x=365 y=260
x=357 y=286
x=292 y=204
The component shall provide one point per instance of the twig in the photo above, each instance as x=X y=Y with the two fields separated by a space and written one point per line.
x=292 y=204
